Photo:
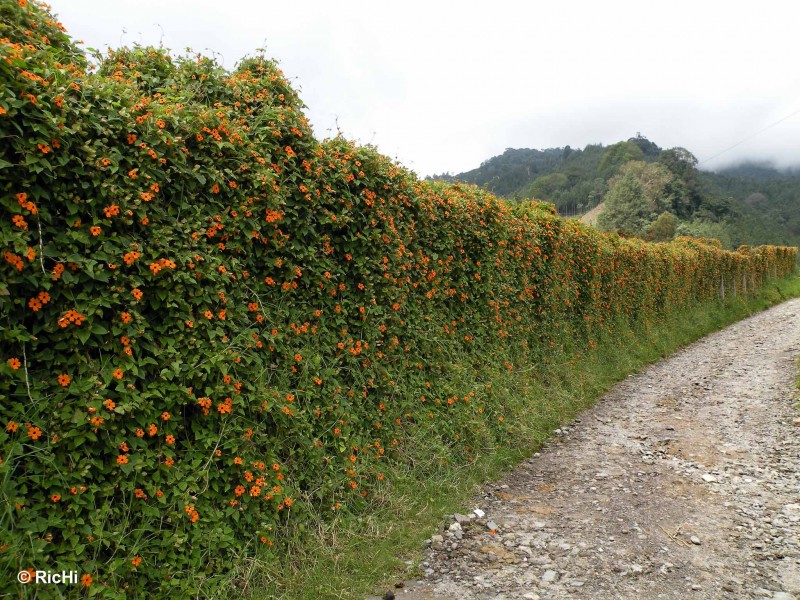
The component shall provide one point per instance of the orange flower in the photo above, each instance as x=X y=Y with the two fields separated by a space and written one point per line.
x=126 y=317
x=12 y=427
x=64 y=379
x=95 y=231
x=130 y=257
x=86 y=580
x=137 y=294
x=122 y=459
x=34 y=432
x=169 y=462
x=109 y=404
x=239 y=490
x=136 y=561
x=193 y=515
x=14 y=363
x=165 y=416
x=170 y=440
x=55 y=498
x=117 y=374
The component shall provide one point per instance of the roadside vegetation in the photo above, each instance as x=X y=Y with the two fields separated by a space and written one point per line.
x=358 y=555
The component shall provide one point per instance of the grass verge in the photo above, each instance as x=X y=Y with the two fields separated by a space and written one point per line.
x=357 y=555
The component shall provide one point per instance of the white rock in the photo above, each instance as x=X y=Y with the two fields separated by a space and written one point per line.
x=479 y=513
x=549 y=577
x=708 y=478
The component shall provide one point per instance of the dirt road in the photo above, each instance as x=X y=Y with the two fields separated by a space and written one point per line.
x=682 y=482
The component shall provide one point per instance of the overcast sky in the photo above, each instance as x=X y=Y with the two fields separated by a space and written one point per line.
x=443 y=86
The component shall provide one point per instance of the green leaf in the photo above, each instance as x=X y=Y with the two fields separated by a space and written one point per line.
x=98 y=329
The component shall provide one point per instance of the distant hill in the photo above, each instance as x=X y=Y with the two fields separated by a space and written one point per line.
x=513 y=169
x=759 y=170
x=748 y=203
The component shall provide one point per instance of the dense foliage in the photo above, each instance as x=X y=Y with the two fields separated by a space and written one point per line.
x=768 y=198
x=213 y=326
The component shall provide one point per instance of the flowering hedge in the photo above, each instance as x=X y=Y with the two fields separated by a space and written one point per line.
x=213 y=325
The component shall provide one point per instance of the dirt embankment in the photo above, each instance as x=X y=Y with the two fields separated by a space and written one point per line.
x=590 y=218
x=682 y=482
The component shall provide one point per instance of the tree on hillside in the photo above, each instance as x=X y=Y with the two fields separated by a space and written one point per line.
x=635 y=198
x=663 y=228
x=647 y=147
x=686 y=194
x=547 y=186
x=706 y=229
x=617 y=155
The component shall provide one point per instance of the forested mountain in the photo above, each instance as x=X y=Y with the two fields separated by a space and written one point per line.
x=759 y=170
x=651 y=192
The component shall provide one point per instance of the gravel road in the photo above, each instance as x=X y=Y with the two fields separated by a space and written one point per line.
x=682 y=482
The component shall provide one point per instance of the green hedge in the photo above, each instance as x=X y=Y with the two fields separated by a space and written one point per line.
x=214 y=326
